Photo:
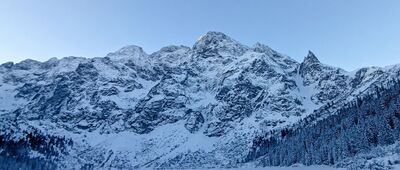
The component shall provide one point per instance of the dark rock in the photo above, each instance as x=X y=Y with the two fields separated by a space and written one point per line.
x=7 y=65
x=194 y=121
x=27 y=64
x=216 y=129
x=87 y=70
x=27 y=90
x=133 y=87
x=110 y=91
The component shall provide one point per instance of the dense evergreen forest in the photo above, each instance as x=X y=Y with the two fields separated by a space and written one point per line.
x=15 y=151
x=368 y=122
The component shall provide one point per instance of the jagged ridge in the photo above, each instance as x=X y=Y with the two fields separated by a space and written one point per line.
x=179 y=107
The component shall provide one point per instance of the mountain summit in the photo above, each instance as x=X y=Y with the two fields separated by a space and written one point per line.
x=217 y=104
x=213 y=37
x=217 y=42
x=311 y=58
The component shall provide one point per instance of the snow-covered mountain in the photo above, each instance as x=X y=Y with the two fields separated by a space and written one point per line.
x=179 y=107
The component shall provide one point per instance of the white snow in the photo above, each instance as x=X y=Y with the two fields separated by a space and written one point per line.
x=7 y=100
x=320 y=167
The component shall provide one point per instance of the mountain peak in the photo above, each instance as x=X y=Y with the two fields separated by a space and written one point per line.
x=213 y=41
x=127 y=52
x=213 y=36
x=131 y=49
x=310 y=65
x=311 y=58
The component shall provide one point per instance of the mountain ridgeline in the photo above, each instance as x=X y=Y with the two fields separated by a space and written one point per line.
x=218 y=104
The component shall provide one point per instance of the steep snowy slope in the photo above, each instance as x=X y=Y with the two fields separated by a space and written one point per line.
x=179 y=107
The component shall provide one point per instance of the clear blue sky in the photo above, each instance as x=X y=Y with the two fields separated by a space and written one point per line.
x=344 y=33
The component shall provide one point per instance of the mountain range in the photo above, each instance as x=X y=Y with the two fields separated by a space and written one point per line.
x=218 y=104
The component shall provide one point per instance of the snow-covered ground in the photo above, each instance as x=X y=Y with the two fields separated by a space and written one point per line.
x=321 y=167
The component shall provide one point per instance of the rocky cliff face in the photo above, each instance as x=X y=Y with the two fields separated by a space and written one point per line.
x=178 y=107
